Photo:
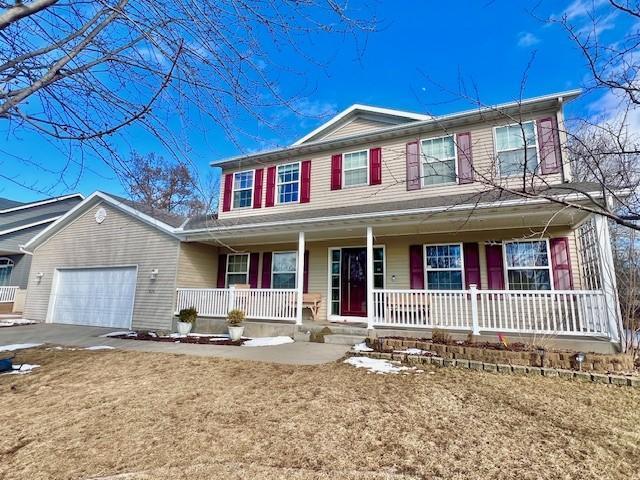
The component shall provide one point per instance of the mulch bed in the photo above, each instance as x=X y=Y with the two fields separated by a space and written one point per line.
x=512 y=347
x=153 y=337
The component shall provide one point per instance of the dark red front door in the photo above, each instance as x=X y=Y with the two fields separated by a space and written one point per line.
x=354 y=282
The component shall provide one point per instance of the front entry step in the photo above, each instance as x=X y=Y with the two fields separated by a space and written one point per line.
x=341 y=339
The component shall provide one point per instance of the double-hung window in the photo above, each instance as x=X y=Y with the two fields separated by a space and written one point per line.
x=444 y=266
x=243 y=189
x=289 y=183
x=283 y=269
x=516 y=149
x=356 y=168
x=237 y=269
x=6 y=267
x=438 y=161
x=528 y=266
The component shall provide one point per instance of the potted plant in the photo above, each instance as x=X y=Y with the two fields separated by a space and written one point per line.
x=234 y=319
x=186 y=319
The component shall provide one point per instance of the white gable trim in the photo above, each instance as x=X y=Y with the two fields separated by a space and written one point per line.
x=43 y=202
x=360 y=108
x=24 y=227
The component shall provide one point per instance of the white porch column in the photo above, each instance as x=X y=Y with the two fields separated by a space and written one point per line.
x=370 y=306
x=300 y=277
x=608 y=274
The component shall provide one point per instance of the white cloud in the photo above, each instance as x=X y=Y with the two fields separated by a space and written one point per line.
x=580 y=8
x=527 y=39
x=614 y=109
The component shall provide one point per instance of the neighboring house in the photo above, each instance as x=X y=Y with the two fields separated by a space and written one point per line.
x=376 y=218
x=19 y=223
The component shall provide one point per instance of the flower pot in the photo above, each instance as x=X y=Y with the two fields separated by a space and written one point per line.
x=184 y=328
x=235 y=333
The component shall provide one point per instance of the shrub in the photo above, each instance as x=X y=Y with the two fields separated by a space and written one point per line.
x=188 y=315
x=440 y=336
x=235 y=317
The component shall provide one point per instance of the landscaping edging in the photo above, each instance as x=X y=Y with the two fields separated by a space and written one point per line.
x=502 y=368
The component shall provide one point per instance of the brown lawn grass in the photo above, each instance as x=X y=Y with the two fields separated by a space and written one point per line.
x=159 y=416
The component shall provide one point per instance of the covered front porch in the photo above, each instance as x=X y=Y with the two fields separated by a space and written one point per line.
x=519 y=271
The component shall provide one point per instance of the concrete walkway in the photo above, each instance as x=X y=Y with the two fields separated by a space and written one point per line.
x=298 y=353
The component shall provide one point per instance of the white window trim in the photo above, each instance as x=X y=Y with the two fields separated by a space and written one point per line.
x=455 y=160
x=342 y=318
x=278 y=202
x=344 y=170
x=495 y=147
x=226 y=276
x=233 y=189
x=549 y=266
x=273 y=272
x=425 y=269
x=9 y=265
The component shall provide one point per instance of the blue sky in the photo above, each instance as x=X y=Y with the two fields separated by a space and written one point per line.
x=419 y=44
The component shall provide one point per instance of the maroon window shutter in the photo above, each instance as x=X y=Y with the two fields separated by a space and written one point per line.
x=416 y=267
x=465 y=160
x=561 y=264
x=257 y=188
x=228 y=191
x=549 y=144
x=471 y=264
x=375 y=166
x=222 y=271
x=305 y=282
x=495 y=267
x=271 y=187
x=336 y=171
x=254 y=260
x=266 y=270
x=305 y=182
x=413 y=166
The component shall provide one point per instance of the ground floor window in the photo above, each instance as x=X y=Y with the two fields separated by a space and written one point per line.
x=444 y=268
x=6 y=267
x=528 y=266
x=238 y=269
x=283 y=269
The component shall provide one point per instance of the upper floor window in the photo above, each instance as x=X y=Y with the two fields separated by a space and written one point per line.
x=438 y=161
x=444 y=266
x=6 y=267
x=289 y=183
x=283 y=269
x=516 y=149
x=528 y=266
x=356 y=168
x=243 y=189
x=238 y=269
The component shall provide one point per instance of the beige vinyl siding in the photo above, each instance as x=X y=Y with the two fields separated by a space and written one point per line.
x=197 y=266
x=119 y=240
x=359 y=125
x=393 y=187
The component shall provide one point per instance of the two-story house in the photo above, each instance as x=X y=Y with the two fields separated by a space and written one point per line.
x=380 y=218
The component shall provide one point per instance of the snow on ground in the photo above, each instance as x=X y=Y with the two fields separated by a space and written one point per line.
x=414 y=351
x=11 y=322
x=99 y=347
x=267 y=341
x=21 y=369
x=375 y=365
x=362 y=347
x=18 y=346
x=117 y=334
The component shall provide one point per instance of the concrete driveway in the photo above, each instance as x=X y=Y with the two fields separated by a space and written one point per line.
x=298 y=353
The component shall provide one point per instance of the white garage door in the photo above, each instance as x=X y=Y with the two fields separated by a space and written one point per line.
x=94 y=296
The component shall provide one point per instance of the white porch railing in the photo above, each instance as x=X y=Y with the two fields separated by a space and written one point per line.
x=8 y=294
x=566 y=312
x=256 y=303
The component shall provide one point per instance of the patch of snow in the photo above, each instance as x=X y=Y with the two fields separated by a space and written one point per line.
x=174 y=335
x=18 y=346
x=362 y=347
x=208 y=335
x=375 y=365
x=22 y=369
x=267 y=341
x=414 y=351
x=99 y=347
x=11 y=322
x=128 y=333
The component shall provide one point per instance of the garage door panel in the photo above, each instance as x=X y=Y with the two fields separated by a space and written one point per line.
x=95 y=296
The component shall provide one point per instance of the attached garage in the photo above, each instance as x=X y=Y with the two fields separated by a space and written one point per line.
x=101 y=297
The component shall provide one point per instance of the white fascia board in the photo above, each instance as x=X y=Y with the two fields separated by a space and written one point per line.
x=34 y=224
x=43 y=202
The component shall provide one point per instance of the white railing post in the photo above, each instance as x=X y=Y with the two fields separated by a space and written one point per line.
x=300 y=278
x=232 y=298
x=370 y=312
x=475 y=325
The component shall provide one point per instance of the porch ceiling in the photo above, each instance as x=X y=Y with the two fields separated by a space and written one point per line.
x=500 y=218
